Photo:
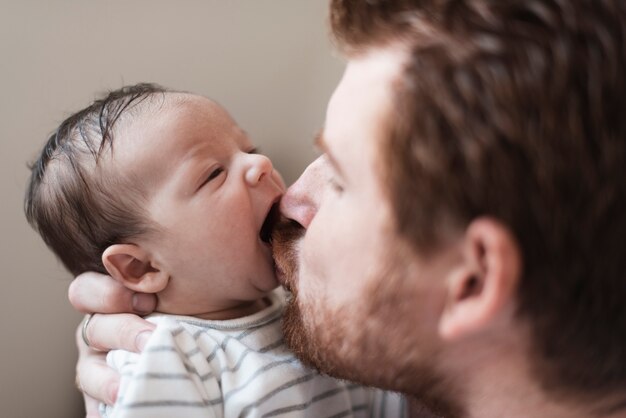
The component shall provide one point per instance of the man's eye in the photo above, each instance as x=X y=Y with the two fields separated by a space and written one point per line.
x=335 y=185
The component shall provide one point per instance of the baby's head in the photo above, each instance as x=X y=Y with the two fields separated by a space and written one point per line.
x=162 y=190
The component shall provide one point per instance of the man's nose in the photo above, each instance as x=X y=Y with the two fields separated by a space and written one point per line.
x=301 y=201
x=258 y=167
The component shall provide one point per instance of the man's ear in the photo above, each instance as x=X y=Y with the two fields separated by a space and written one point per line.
x=132 y=266
x=481 y=289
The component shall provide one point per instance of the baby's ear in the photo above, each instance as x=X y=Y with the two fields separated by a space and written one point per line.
x=132 y=266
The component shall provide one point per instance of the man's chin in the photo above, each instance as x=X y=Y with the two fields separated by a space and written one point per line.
x=334 y=345
x=282 y=278
x=309 y=345
x=295 y=333
x=314 y=337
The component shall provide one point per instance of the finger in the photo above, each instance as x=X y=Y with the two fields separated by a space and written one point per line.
x=97 y=380
x=117 y=332
x=94 y=292
x=92 y=407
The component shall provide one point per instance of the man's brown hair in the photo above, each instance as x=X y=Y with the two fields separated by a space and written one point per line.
x=77 y=208
x=517 y=110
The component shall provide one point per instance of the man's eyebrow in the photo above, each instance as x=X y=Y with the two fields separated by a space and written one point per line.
x=320 y=143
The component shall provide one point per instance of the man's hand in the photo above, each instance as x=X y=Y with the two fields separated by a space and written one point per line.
x=111 y=328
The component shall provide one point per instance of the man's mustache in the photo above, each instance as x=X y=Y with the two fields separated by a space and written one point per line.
x=285 y=236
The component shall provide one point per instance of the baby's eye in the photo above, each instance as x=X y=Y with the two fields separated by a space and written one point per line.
x=214 y=174
x=254 y=150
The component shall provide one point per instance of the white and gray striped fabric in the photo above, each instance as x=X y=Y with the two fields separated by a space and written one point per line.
x=229 y=369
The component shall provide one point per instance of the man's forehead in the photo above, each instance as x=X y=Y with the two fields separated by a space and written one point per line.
x=384 y=61
x=367 y=78
x=358 y=110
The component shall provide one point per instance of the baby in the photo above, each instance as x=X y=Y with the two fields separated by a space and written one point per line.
x=163 y=191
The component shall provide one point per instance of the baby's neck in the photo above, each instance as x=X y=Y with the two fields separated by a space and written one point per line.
x=237 y=311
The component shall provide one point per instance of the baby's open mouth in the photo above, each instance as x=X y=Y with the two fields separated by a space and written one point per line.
x=268 y=224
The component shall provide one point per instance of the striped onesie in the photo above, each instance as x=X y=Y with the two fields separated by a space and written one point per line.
x=197 y=368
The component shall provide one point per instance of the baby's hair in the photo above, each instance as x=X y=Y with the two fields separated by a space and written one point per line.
x=77 y=208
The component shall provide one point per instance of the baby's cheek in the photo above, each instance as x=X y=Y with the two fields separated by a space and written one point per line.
x=279 y=180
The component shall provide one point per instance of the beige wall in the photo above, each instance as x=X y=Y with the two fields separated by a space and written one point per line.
x=268 y=61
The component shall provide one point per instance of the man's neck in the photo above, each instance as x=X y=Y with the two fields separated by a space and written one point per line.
x=497 y=382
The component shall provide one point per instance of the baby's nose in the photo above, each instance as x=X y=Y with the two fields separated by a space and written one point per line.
x=258 y=167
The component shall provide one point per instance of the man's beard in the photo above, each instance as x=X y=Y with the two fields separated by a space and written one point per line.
x=373 y=341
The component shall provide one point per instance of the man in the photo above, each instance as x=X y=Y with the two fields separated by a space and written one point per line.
x=460 y=238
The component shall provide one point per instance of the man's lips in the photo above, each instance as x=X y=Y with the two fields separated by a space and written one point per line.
x=286 y=236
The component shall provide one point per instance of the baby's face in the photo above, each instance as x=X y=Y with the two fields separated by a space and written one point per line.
x=209 y=195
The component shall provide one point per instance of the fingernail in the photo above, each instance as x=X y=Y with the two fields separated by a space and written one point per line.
x=113 y=389
x=143 y=302
x=142 y=339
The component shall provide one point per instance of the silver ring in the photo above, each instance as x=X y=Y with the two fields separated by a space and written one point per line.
x=84 y=330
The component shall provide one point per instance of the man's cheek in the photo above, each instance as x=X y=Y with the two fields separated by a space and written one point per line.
x=320 y=250
x=324 y=276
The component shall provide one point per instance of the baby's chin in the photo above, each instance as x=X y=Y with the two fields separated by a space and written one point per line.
x=263 y=278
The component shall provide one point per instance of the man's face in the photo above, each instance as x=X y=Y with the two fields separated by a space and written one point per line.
x=359 y=309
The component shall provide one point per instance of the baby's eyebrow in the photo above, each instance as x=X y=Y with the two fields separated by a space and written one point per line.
x=240 y=132
x=321 y=143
